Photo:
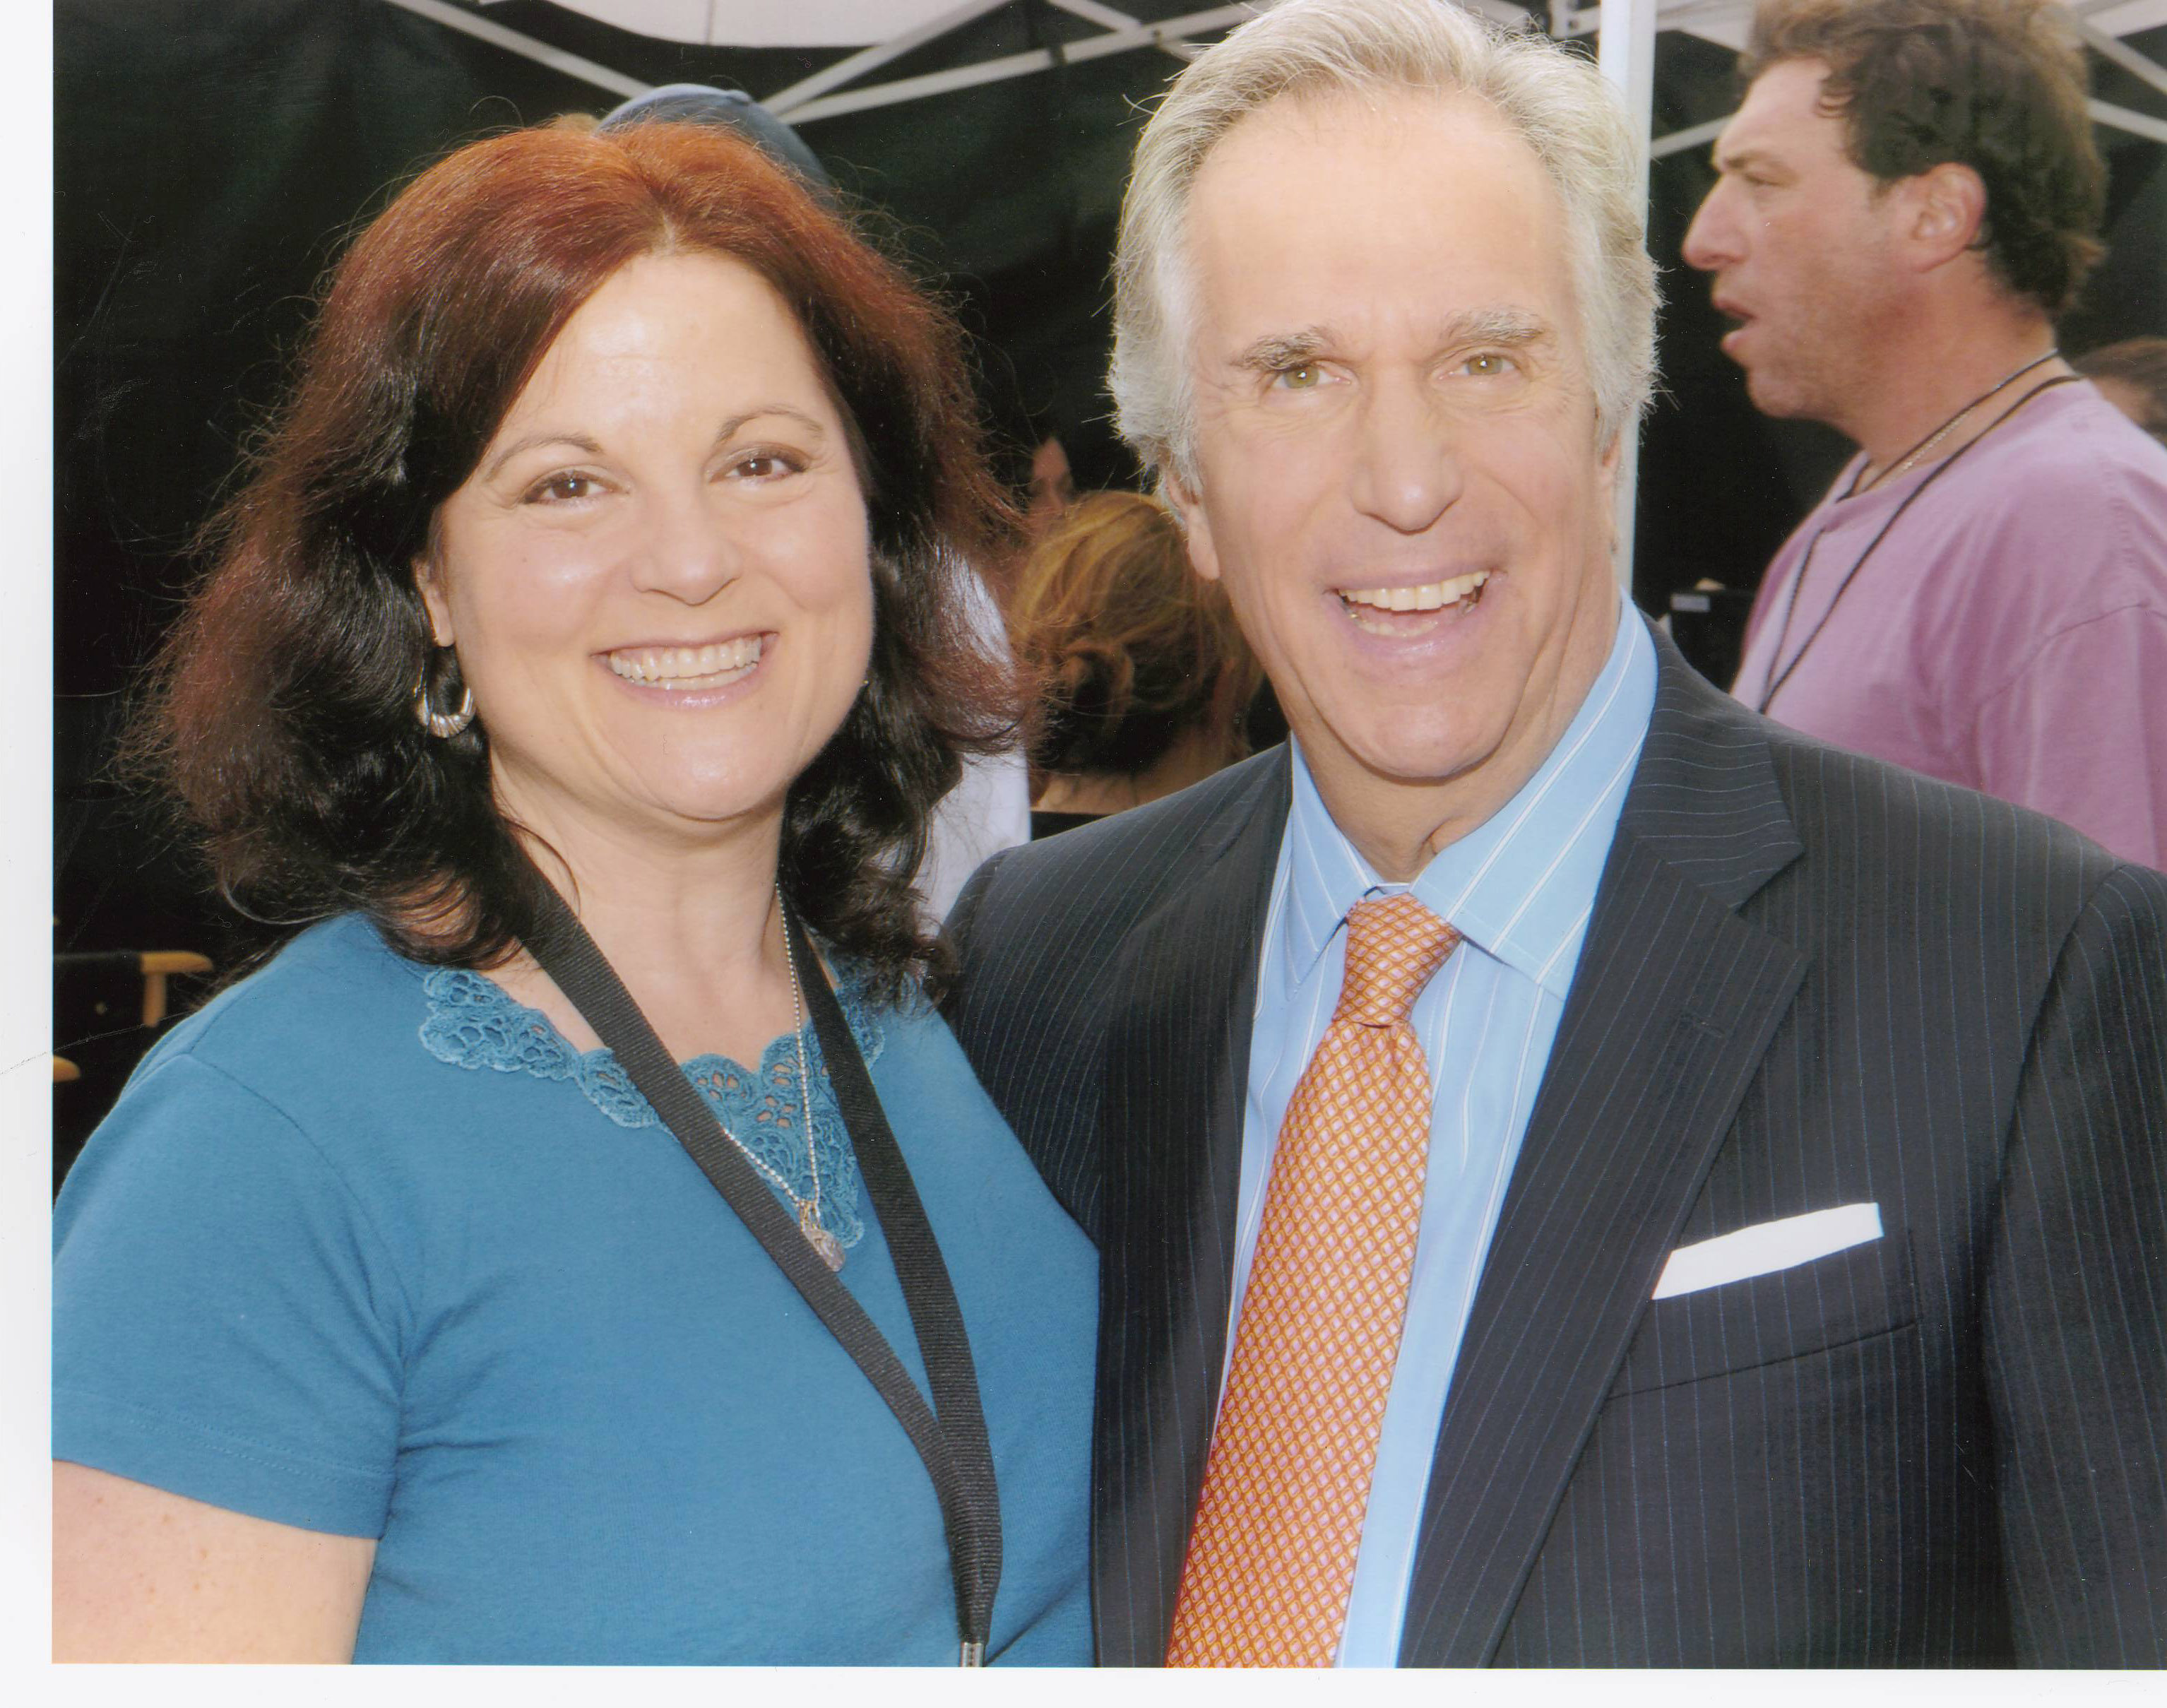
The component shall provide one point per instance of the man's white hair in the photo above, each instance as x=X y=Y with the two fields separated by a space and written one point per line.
x=1554 y=100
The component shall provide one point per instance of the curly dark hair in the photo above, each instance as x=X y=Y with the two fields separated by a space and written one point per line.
x=1129 y=650
x=281 y=708
x=1999 y=86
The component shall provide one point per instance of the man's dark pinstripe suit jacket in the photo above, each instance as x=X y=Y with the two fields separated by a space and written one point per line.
x=1811 y=981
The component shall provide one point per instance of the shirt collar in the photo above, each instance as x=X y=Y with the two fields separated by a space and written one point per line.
x=1521 y=884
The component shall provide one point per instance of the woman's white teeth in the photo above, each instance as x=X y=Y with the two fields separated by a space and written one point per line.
x=1433 y=596
x=685 y=666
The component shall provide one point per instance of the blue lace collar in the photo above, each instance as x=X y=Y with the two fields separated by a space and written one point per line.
x=473 y=1024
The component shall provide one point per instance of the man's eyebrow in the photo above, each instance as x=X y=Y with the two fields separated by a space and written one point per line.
x=1496 y=326
x=1737 y=159
x=1276 y=350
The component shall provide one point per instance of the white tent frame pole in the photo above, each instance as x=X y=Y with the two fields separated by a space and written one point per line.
x=1091 y=12
x=1691 y=137
x=801 y=100
x=2122 y=119
x=1626 y=53
x=1163 y=35
x=512 y=41
x=1106 y=18
x=2127 y=57
x=848 y=70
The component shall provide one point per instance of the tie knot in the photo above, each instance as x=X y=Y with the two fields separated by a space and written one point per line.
x=1394 y=943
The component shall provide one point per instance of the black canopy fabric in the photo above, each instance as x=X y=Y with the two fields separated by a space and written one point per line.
x=211 y=156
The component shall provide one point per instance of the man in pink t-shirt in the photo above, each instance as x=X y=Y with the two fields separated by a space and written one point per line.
x=1983 y=594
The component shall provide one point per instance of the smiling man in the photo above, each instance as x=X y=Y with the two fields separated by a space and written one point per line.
x=1908 y=196
x=1582 y=1175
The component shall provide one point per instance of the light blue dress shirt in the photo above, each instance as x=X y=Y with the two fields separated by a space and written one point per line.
x=1519 y=889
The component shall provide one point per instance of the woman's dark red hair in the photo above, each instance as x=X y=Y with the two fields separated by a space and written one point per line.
x=281 y=710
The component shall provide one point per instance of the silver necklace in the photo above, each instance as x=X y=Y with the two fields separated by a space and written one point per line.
x=808 y=1209
x=1949 y=425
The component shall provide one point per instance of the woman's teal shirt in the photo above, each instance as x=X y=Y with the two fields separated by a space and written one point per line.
x=367 y=1248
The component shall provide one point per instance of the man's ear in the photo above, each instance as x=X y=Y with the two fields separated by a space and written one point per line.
x=1607 y=468
x=429 y=581
x=1947 y=207
x=1189 y=507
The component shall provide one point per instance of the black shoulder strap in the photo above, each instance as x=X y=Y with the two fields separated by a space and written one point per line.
x=952 y=1443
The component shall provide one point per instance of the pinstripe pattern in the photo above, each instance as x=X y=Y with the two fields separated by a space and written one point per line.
x=1811 y=981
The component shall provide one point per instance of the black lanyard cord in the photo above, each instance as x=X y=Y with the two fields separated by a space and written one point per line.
x=973 y=1513
x=1776 y=678
x=951 y=1441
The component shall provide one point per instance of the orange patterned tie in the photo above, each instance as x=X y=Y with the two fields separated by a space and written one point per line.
x=1271 y=1558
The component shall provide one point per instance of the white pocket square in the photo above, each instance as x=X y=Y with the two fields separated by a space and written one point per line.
x=1768 y=1247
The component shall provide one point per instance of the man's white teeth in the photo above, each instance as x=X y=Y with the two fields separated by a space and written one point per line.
x=1434 y=596
x=687 y=666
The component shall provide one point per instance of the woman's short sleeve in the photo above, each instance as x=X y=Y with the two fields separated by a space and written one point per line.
x=227 y=1323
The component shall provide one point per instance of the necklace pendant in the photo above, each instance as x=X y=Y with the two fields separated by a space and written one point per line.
x=819 y=1238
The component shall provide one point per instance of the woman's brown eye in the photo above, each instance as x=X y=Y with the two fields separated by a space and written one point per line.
x=761 y=467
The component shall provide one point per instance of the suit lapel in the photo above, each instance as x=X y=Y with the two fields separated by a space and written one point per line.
x=1177 y=1065
x=1674 y=1004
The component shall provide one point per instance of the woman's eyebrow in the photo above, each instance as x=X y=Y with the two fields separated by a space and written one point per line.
x=737 y=423
x=588 y=447
x=578 y=442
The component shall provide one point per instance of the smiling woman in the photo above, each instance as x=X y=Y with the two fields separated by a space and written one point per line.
x=578 y=667
x=656 y=582
x=449 y=306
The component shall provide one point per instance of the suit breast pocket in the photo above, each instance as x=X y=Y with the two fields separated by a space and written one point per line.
x=1829 y=1302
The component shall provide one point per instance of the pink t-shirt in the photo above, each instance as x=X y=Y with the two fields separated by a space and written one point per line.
x=2008 y=634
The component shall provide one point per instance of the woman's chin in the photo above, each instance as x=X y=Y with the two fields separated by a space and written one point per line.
x=700 y=814
x=644 y=804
